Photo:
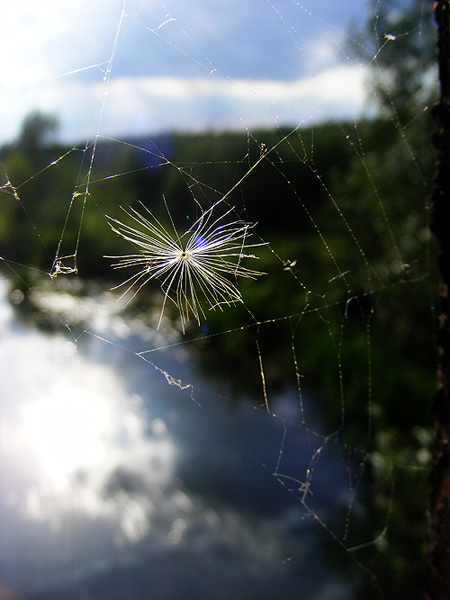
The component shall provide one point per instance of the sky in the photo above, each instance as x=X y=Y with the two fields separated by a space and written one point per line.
x=115 y=68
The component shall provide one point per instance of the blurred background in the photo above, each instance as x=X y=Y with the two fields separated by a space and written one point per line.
x=280 y=448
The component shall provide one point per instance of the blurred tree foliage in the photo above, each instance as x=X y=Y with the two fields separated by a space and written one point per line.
x=397 y=41
x=38 y=131
x=399 y=38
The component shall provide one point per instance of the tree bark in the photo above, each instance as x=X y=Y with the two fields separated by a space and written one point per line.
x=438 y=573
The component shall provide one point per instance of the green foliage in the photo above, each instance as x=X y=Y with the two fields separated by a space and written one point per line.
x=50 y=184
x=398 y=41
x=37 y=132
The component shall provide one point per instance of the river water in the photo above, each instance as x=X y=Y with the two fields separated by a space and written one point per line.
x=120 y=482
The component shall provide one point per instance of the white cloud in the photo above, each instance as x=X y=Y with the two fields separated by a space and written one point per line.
x=145 y=105
x=161 y=62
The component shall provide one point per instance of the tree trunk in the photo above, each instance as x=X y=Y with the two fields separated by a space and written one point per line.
x=438 y=575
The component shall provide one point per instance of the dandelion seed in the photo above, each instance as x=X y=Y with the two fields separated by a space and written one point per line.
x=192 y=267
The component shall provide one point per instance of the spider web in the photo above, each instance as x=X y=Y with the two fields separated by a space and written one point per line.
x=280 y=447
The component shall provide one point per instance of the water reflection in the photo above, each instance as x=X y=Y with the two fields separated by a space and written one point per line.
x=116 y=484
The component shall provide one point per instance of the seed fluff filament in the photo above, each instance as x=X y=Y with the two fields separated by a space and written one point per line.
x=192 y=268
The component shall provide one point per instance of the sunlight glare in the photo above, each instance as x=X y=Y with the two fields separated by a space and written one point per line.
x=67 y=429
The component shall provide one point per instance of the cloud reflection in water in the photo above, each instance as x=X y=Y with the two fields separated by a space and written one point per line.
x=109 y=491
x=79 y=460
